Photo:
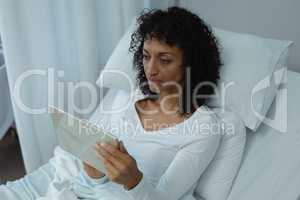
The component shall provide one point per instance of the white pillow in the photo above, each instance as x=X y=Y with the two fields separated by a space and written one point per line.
x=247 y=60
x=118 y=72
x=216 y=181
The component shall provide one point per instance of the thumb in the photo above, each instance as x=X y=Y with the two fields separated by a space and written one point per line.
x=122 y=147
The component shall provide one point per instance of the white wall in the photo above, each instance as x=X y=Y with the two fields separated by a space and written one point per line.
x=269 y=18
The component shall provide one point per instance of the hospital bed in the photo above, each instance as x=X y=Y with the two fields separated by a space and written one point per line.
x=269 y=170
x=271 y=164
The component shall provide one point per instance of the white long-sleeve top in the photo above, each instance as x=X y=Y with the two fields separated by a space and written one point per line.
x=172 y=160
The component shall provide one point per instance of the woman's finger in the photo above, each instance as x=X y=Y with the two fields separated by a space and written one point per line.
x=113 y=150
x=110 y=168
x=118 y=163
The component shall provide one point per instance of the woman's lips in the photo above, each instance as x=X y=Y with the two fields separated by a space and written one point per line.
x=156 y=81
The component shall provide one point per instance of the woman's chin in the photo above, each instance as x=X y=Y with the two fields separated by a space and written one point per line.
x=155 y=87
x=154 y=90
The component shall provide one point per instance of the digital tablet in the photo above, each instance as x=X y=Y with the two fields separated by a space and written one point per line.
x=77 y=136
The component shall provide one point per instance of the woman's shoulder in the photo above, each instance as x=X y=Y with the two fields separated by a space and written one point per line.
x=205 y=114
x=218 y=121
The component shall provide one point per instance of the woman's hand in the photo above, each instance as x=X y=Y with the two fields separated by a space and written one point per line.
x=121 y=167
x=92 y=172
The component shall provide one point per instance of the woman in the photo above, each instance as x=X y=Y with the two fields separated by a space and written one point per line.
x=174 y=52
x=173 y=141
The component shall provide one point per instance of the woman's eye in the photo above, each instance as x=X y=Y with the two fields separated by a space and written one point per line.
x=165 y=61
x=145 y=57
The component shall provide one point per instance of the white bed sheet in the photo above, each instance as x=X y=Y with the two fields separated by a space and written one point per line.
x=271 y=165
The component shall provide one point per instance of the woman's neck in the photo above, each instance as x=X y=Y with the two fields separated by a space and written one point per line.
x=168 y=101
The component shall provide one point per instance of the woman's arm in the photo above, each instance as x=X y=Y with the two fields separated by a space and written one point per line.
x=184 y=171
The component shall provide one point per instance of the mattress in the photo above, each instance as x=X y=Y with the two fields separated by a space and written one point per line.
x=270 y=168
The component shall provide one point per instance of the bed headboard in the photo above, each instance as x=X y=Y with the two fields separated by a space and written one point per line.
x=269 y=18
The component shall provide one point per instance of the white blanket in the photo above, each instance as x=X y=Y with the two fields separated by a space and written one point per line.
x=51 y=181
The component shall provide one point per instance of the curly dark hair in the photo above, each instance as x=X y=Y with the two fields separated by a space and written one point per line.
x=187 y=31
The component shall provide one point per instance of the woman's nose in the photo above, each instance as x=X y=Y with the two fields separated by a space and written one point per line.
x=152 y=67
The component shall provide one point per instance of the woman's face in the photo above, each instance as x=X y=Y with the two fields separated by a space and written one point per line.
x=162 y=65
